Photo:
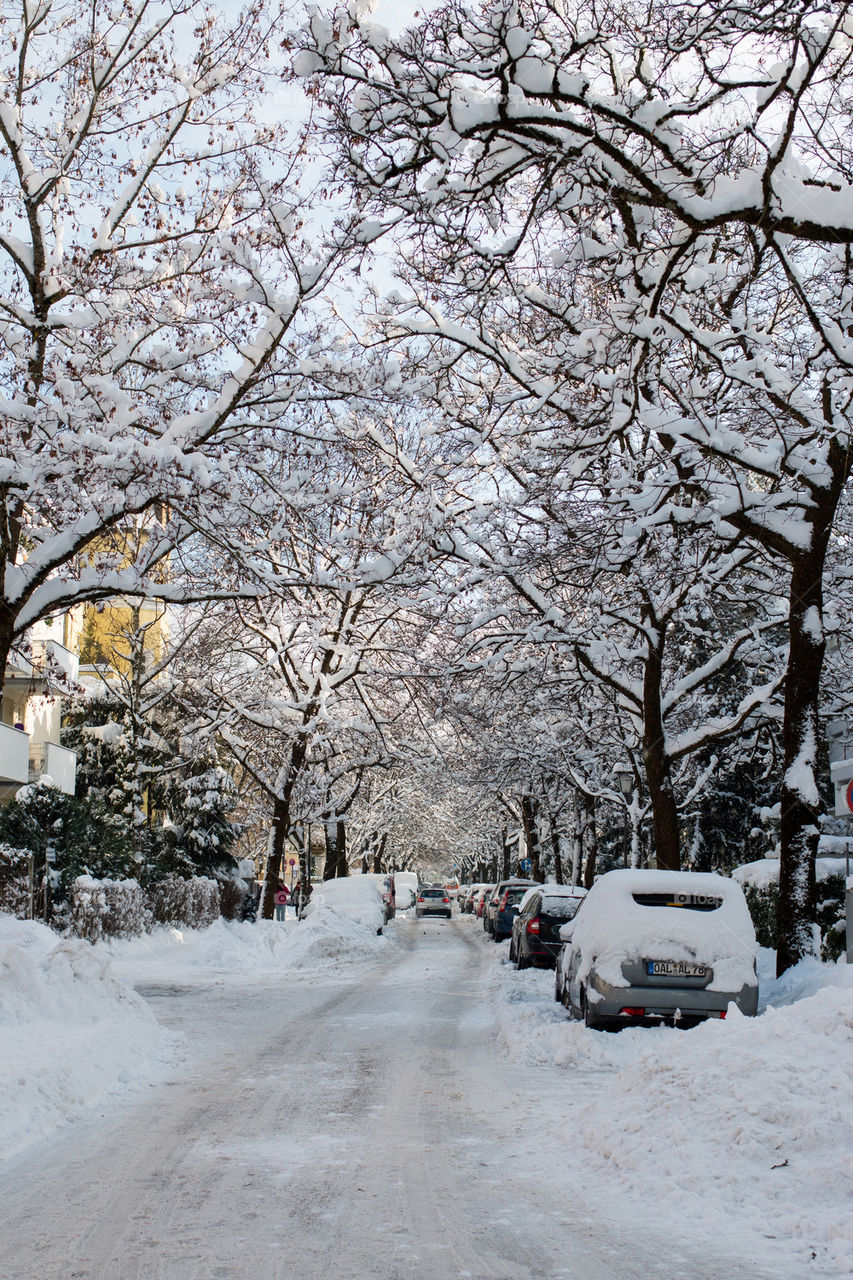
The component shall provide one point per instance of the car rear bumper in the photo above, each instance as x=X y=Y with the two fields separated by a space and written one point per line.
x=684 y=1006
x=433 y=911
x=541 y=953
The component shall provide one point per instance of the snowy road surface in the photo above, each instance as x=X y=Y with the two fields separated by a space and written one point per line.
x=339 y=1128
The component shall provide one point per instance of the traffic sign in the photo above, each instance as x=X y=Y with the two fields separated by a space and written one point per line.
x=291 y=862
x=525 y=864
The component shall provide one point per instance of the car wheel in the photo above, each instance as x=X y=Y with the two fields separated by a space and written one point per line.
x=512 y=956
x=558 y=987
x=522 y=962
x=589 y=1019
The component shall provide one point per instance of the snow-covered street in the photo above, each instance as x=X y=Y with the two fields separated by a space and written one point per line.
x=355 y=1119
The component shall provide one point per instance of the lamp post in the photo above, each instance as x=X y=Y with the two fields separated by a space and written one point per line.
x=625 y=779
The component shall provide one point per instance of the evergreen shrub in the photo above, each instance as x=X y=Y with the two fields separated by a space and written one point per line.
x=14 y=880
x=762 y=900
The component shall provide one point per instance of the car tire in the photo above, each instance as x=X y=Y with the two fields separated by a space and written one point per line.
x=589 y=1019
x=522 y=962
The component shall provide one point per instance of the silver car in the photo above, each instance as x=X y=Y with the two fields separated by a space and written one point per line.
x=647 y=947
x=433 y=902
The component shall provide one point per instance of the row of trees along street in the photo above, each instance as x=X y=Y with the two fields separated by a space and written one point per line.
x=488 y=422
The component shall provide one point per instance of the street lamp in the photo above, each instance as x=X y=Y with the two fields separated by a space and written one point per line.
x=625 y=779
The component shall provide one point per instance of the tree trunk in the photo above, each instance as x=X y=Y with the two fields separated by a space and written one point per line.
x=330 y=834
x=505 y=855
x=800 y=802
x=577 y=849
x=657 y=763
x=379 y=852
x=589 y=841
x=531 y=837
x=555 y=845
x=272 y=874
x=7 y=632
x=280 y=829
x=304 y=863
x=336 y=849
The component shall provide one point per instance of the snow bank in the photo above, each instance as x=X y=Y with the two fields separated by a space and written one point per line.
x=70 y=1032
x=73 y=1030
x=764 y=873
x=327 y=937
x=741 y=1127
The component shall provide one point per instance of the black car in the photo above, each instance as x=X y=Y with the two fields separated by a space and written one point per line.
x=502 y=907
x=536 y=928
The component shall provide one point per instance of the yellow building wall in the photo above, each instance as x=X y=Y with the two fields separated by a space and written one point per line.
x=107 y=631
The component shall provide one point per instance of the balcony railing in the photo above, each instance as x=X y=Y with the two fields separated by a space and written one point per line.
x=14 y=755
x=58 y=763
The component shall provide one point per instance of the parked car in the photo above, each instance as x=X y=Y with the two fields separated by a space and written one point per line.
x=502 y=907
x=536 y=929
x=387 y=889
x=647 y=947
x=479 y=905
x=433 y=902
x=405 y=889
x=468 y=898
x=452 y=887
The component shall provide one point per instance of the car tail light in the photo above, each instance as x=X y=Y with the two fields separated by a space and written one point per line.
x=503 y=902
x=445 y=899
x=532 y=926
x=723 y=1014
x=420 y=899
x=632 y=1012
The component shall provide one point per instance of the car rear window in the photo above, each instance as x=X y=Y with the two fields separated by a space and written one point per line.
x=562 y=908
x=433 y=893
x=515 y=895
x=687 y=901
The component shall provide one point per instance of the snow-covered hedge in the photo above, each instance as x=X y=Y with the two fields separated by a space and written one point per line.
x=760 y=883
x=191 y=904
x=107 y=909
x=14 y=880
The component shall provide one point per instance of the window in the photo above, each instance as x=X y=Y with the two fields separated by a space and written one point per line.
x=687 y=901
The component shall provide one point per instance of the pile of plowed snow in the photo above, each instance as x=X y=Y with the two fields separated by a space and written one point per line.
x=73 y=1030
x=742 y=1125
x=342 y=925
x=70 y=1032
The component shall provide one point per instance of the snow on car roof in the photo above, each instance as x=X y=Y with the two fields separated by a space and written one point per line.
x=614 y=926
x=357 y=897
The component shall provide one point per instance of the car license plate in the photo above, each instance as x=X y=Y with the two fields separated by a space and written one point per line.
x=675 y=969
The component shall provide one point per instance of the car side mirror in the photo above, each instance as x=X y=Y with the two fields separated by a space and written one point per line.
x=566 y=931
